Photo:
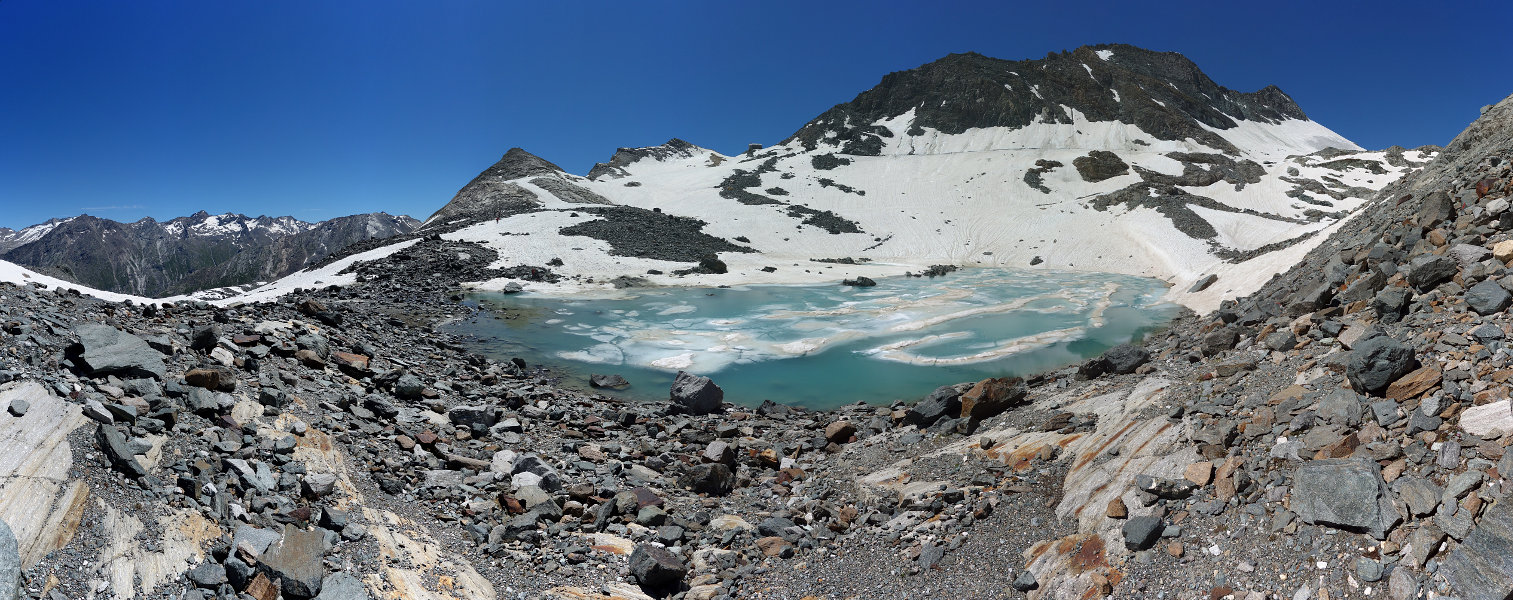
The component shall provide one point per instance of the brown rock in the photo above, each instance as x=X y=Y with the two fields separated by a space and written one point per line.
x=352 y=364
x=261 y=588
x=992 y=396
x=1116 y=509
x=1287 y=393
x=840 y=432
x=1174 y=549
x=768 y=458
x=1224 y=488
x=775 y=546
x=203 y=378
x=310 y=359
x=404 y=442
x=1200 y=472
x=1414 y=384
x=426 y=438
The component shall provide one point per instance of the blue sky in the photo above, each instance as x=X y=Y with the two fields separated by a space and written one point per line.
x=321 y=109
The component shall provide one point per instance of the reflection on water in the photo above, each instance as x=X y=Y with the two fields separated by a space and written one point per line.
x=823 y=346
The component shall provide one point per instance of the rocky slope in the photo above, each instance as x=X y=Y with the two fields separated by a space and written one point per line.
x=1341 y=433
x=1342 y=440
x=1107 y=158
x=187 y=254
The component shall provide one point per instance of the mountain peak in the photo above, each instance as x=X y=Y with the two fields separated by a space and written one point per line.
x=624 y=157
x=1165 y=94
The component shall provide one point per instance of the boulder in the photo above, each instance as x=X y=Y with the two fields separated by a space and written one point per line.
x=656 y=570
x=1503 y=251
x=1413 y=384
x=1436 y=208
x=944 y=401
x=120 y=452
x=1140 y=533
x=991 y=397
x=1219 y=340
x=545 y=474
x=205 y=337
x=840 y=432
x=1202 y=283
x=477 y=418
x=696 y=394
x=1345 y=493
x=212 y=377
x=104 y=350
x=714 y=479
x=608 y=381
x=1099 y=165
x=1482 y=567
x=296 y=560
x=409 y=387
x=1488 y=420
x=1377 y=362
x=342 y=586
x=1125 y=358
x=1487 y=297
x=1429 y=270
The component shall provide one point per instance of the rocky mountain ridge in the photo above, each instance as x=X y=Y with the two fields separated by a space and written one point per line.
x=188 y=254
x=1106 y=158
x=1162 y=93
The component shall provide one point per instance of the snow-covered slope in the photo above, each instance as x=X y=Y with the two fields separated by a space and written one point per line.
x=19 y=275
x=1108 y=158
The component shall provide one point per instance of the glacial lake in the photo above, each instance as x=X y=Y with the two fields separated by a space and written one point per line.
x=823 y=346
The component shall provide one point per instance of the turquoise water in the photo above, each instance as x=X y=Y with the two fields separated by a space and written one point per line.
x=823 y=346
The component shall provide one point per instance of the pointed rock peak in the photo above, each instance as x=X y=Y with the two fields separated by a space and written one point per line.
x=517 y=163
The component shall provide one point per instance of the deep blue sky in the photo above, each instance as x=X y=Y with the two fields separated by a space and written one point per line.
x=321 y=109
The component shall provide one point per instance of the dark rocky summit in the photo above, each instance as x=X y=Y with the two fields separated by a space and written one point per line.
x=1163 y=93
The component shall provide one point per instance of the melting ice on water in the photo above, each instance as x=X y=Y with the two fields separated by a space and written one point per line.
x=903 y=332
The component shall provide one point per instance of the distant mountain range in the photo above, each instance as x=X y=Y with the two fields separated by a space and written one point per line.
x=187 y=254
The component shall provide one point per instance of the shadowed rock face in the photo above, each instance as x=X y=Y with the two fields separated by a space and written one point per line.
x=1163 y=93
x=201 y=251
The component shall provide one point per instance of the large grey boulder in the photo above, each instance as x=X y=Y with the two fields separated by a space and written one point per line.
x=1429 y=270
x=1482 y=567
x=715 y=479
x=478 y=418
x=341 y=586
x=696 y=394
x=657 y=570
x=10 y=564
x=296 y=559
x=1141 y=533
x=944 y=401
x=119 y=450
x=1125 y=358
x=1377 y=362
x=1487 y=297
x=105 y=350
x=1344 y=493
